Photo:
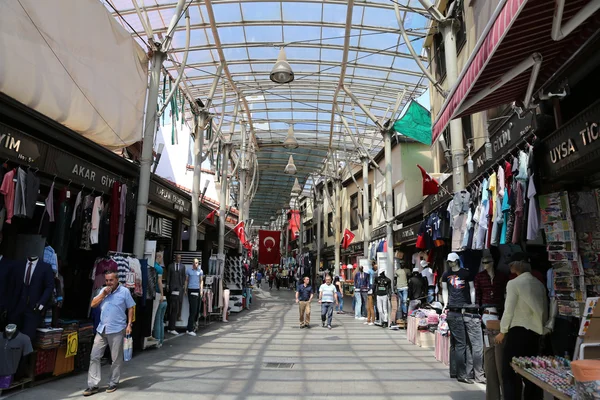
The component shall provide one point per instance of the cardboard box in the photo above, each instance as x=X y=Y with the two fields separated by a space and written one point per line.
x=426 y=339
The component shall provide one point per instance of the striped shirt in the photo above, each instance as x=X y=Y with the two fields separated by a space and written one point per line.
x=327 y=293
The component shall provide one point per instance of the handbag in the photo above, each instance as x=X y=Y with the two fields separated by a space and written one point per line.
x=127 y=348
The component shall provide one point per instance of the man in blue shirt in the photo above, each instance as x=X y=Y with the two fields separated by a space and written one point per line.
x=304 y=295
x=114 y=300
x=193 y=288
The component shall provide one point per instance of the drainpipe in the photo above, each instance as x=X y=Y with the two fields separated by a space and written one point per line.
x=366 y=211
x=336 y=224
x=223 y=199
x=319 y=209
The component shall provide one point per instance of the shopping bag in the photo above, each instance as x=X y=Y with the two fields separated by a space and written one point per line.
x=127 y=348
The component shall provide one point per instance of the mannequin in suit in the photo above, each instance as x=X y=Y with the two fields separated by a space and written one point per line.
x=176 y=283
x=33 y=284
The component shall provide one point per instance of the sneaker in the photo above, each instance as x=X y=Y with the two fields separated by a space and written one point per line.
x=111 y=388
x=370 y=324
x=90 y=391
x=323 y=324
x=301 y=326
x=467 y=381
x=191 y=333
x=362 y=318
x=341 y=312
x=329 y=327
x=365 y=323
x=173 y=332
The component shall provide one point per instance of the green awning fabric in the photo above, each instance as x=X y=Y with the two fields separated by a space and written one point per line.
x=415 y=123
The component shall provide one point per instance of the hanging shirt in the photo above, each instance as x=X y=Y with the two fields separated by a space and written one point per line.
x=20 y=206
x=50 y=258
x=501 y=182
x=122 y=211
x=96 y=217
x=8 y=190
x=75 y=208
x=33 y=187
x=533 y=216
x=523 y=162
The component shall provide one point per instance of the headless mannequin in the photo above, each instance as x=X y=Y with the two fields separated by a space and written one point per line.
x=455 y=266
x=10 y=331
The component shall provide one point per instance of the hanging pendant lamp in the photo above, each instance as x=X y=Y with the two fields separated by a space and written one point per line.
x=290 y=168
x=296 y=189
x=282 y=72
x=290 y=141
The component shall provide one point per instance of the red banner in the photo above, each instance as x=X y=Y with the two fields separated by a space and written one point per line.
x=294 y=223
x=348 y=238
x=430 y=185
x=211 y=216
x=268 y=247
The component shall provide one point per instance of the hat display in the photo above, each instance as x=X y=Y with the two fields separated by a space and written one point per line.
x=453 y=257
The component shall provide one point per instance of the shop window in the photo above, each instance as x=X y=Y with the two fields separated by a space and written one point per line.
x=354 y=211
x=439 y=57
x=461 y=32
x=467 y=127
x=330 y=224
x=445 y=165
x=370 y=205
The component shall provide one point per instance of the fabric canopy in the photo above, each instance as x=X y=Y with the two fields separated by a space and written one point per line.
x=73 y=62
x=415 y=123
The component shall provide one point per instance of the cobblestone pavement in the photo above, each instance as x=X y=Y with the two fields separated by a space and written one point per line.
x=243 y=360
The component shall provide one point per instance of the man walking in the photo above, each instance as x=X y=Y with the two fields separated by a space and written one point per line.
x=327 y=298
x=114 y=300
x=176 y=280
x=304 y=295
x=522 y=324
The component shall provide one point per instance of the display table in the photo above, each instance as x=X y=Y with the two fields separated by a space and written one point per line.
x=442 y=348
x=547 y=387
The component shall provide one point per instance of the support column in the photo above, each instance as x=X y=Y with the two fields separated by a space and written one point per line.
x=301 y=241
x=389 y=209
x=287 y=240
x=242 y=191
x=366 y=210
x=319 y=211
x=448 y=28
x=336 y=223
x=146 y=160
x=200 y=122
x=223 y=199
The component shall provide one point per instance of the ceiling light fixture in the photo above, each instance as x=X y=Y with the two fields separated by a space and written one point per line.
x=282 y=72
x=296 y=189
x=290 y=168
x=290 y=141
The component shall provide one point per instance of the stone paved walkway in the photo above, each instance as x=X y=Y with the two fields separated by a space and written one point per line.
x=234 y=361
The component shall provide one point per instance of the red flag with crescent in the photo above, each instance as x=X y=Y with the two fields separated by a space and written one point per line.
x=348 y=238
x=211 y=216
x=239 y=231
x=268 y=247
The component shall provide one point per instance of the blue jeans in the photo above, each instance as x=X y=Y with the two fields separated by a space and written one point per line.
x=403 y=294
x=430 y=293
x=159 y=322
x=358 y=304
x=327 y=312
x=340 y=302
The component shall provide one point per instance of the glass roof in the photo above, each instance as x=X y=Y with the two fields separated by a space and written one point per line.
x=313 y=33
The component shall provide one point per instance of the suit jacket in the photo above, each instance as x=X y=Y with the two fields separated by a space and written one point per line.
x=40 y=289
x=176 y=279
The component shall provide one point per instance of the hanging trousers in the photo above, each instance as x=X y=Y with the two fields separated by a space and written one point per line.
x=382 y=307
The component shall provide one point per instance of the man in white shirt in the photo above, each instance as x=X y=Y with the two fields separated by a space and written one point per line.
x=522 y=325
x=327 y=297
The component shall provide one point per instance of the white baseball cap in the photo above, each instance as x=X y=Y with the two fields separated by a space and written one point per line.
x=453 y=257
x=424 y=263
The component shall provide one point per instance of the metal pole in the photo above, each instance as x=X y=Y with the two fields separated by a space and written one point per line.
x=243 y=169
x=200 y=121
x=448 y=29
x=287 y=241
x=319 y=209
x=223 y=199
x=301 y=241
x=366 y=210
x=158 y=57
x=389 y=209
x=336 y=223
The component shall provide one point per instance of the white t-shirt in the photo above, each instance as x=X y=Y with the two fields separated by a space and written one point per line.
x=428 y=273
x=328 y=292
x=417 y=257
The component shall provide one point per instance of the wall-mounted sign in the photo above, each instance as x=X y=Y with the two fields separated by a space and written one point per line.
x=82 y=172
x=170 y=199
x=503 y=140
x=15 y=144
x=575 y=143
x=154 y=225
x=378 y=233
x=407 y=234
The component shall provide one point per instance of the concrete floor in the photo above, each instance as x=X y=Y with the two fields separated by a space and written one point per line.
x=228 y=361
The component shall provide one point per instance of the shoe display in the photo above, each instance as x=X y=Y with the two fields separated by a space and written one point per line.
x=111 y=388
x=90 y=391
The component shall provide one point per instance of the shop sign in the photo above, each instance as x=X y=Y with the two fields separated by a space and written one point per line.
x=17 y=145
x=154 y=225
x=407 y=234
x=378 y=233
x=503 y=140
x=231 y=241
x=574 y=141
x=431 y=202
x=83 y=172
x=178 y=202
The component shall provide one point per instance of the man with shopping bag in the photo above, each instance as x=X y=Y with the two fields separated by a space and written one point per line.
x=116 y=305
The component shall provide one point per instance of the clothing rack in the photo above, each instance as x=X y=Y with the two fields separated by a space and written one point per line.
x=120 y=253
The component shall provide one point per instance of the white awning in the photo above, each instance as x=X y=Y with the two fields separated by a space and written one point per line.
x=73 y=62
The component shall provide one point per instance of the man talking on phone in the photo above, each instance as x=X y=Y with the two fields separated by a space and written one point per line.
x=116 y=318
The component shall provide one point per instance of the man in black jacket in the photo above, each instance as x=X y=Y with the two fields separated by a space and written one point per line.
x=417 y=289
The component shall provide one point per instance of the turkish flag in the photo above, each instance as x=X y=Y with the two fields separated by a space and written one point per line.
x=430 y=185
x=268 y=247
x=239 y=231
x=294 y=217
x=211 y=216
x=348 y=238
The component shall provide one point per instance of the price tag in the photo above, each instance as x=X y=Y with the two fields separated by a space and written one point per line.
x=72 y=344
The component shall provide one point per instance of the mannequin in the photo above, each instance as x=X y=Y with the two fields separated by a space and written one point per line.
x=33 y=284
x=14 y=346
x=226 y=294
x=383 y=291
x=466 y=346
